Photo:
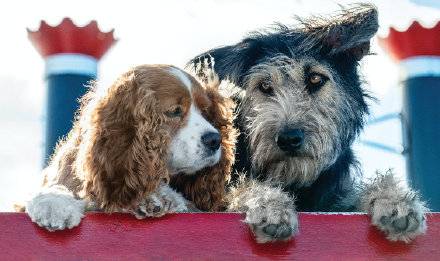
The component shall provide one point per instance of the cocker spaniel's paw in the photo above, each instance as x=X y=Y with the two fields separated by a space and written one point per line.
x=272 y=221
x=401 y=219
x=56 y=210
x=164 y=200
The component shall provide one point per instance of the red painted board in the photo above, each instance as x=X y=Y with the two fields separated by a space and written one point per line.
x=203 y=236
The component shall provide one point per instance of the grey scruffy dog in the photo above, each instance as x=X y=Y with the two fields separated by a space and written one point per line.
x=300 y=107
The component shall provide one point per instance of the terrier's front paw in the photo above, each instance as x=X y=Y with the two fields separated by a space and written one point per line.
x=401 y=219
x=272 y=222
x=272 y=225
x=55 y=211
x=164 y=200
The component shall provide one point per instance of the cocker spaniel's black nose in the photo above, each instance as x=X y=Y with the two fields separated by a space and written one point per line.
x=211 y=140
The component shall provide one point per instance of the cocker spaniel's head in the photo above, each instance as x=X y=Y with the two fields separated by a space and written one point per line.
x=155 y=123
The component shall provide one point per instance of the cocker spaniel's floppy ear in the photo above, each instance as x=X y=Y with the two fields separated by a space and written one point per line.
x=207 y=187
x=124 y=151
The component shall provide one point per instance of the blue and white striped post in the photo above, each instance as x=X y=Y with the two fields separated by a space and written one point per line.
x=67 y=77
x=71 y=61
x=421 y=121
x=417 y=51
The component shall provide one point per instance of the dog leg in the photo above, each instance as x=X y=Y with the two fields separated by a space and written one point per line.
x=164 y=200
x=55 y=208
x=270 y=212
x=394 y=209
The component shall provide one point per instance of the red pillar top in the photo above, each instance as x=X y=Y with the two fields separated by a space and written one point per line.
x=415 y=41
x=70 y=38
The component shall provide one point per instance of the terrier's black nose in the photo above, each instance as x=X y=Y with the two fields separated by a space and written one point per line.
x=290 y=140
x=211 y=140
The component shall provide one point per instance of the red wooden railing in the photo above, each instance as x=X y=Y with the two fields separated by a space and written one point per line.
x=203 y=236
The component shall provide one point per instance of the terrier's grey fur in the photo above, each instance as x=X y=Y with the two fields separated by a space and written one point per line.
x=324 y=175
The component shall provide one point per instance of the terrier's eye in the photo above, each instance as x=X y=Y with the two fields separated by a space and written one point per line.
x=266 y=88
x=176 y=112
x=315 y=81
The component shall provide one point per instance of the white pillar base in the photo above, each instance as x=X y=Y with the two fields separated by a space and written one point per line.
x=420 y=66
x=71 y=63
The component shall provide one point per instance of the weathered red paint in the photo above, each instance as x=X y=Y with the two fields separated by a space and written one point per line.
x=216 y=236
x=69 y=38
x=415 y=41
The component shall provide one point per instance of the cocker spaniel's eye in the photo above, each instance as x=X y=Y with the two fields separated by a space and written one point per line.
x=314 y=81
x=205 y=110
x=266 y=88
x=174 y=113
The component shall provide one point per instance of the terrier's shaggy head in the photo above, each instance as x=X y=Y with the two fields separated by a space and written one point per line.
x=301 y=104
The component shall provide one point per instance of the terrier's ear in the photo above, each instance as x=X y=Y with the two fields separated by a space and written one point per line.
x=229 y=62
x=347 y=33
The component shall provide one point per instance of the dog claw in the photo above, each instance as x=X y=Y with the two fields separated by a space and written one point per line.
x=271 y=229
x=164 y=200
x=156 y=209
x=401 y=224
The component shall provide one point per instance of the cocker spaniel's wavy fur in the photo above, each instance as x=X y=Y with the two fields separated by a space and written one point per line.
x=116 y=154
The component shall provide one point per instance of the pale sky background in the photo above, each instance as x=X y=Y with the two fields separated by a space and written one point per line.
x=170 y=31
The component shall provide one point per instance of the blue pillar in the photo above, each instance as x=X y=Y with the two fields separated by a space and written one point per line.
x=68 y=77
x=421 y=119
x=417 y=51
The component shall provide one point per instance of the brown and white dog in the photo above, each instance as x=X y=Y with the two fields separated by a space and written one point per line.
x=155 y=126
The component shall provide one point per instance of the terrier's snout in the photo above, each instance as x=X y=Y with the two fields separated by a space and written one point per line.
x=290 y=140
